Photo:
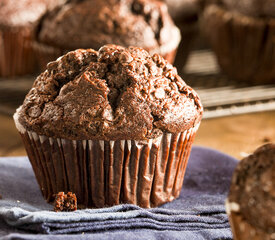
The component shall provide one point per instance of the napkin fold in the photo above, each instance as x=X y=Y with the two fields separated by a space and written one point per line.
x=198 y=213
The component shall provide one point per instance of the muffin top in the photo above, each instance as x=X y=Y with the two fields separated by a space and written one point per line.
x=254 y=8
x=253 y=188
x=93 y=23
x=111 y=94
x=23 y=12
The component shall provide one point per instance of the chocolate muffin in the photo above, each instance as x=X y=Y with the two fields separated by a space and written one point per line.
x=113 y=126
x=251 y=200
x=16 y=34
x=93 y=23
x=242 y=34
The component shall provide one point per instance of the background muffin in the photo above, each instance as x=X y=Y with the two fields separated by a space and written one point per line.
x=251 y=201
x=113 y=126
x=93 y=23
x=242 y=35
x=16 y=34
x=254 y=8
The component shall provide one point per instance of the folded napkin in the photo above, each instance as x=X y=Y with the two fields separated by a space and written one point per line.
x=198 y=213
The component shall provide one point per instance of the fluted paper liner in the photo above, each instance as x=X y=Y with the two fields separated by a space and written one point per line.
x=105 y=173
x=244 y=45
x=16 y=53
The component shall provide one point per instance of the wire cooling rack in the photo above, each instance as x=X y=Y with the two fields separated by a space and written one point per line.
x=220 y=96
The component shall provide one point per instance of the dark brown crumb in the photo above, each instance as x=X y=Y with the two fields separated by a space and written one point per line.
x=266 y=139
x=65 y=202
x=0 y=196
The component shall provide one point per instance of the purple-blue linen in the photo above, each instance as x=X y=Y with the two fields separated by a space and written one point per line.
x=198 y=213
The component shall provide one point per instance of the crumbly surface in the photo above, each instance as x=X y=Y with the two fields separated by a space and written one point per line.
x=65 y=202
x=93 y=23
x=115 y=93
x=253 y=188
x=254 y=8
x=23 y=12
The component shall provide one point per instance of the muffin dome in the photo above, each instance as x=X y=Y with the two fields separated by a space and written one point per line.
x=23 y=12
x=93 y=23
x=254 y=8
x=252 y=193
x=111 y=94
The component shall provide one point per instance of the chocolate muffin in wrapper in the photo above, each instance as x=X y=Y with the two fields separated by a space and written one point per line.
x=241 y=33
x=140 y=23
x=17 y=23
x=113 y=126
x=250 y=204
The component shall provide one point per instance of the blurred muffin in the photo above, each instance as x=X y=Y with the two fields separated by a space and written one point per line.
x=93 y=23
x=185 y=14
x=242 y=35
x=113 y=126
x=254 y=8
x=16 y=29
x=251 y=200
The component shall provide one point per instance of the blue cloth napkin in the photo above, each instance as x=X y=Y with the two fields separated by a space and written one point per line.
x=198 y=213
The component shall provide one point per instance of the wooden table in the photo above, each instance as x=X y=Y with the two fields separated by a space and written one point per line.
x=234 y=135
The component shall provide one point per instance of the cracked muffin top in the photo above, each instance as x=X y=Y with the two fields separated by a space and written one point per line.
x=93 y=23
x=115 y=93
x=23 y=12
x=254 y=8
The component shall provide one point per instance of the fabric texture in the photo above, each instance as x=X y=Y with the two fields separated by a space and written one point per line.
x=198 y=213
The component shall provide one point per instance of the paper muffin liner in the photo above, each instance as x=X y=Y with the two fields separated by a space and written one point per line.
x=241 y=229
x=105 y=173
x=16 y=53
x=244 y=45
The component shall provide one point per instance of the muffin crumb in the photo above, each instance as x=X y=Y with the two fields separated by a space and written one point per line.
x=266 y=139
x=65 y=202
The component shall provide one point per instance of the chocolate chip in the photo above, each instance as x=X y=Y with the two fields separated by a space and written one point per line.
x=125 y=57
x=34 y=111
x=137 y=7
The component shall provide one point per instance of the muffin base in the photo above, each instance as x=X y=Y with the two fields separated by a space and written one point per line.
x=105 y=173
x=16 y=53
x=242 y=229
x=244 y=46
